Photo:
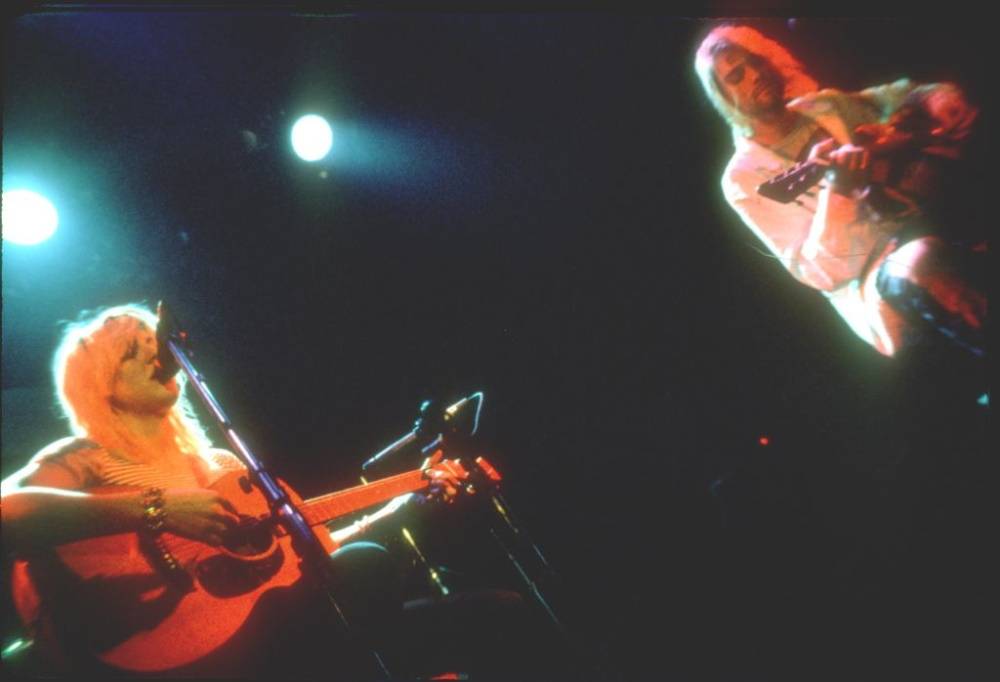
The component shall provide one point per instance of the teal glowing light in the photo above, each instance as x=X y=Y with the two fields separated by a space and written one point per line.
x=28 y=218
x=17 y=646
x=984 y=400
x=311 y=137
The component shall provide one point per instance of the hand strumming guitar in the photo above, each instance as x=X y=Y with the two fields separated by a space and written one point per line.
x=198 y=513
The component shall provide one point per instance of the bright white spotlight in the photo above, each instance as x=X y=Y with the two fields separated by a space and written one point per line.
x=28 y=218
x=311 y=137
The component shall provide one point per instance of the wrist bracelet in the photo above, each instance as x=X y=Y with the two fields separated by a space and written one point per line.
x=154 y=519
x=153 y=515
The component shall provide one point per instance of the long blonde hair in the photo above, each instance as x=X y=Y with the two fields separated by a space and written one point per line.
x=84 y=367
x=796 y=81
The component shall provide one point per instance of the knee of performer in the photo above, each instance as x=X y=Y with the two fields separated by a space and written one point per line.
x=364 y=563
x=923 y=269
x=915 y=261
x=357 y=551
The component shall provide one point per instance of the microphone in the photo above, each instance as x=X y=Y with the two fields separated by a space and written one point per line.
x=435 y=424
x=166 y=364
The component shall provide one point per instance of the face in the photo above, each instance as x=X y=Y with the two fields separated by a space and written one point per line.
x=135 y=390
x=749 y=82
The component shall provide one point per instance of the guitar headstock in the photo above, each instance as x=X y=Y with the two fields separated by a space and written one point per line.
x=785 y=187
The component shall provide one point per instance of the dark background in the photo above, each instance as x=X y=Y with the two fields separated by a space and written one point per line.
x=526 y=204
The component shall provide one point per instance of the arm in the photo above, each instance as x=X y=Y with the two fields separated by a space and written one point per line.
x=784 y=229
x=941 y=107
x=46 y=504
x=366 y=522
x=823 y=238
x=38 y=516
x=43 y=504
x=446 y=480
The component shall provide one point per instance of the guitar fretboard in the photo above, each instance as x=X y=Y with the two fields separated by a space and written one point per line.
x=328 y=507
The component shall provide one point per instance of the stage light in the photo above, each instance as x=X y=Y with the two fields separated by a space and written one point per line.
x=764 y=440
x=311 y=137
x=28 y=218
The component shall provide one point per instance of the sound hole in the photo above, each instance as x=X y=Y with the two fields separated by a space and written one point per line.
x=227 y=576
x=250 y=538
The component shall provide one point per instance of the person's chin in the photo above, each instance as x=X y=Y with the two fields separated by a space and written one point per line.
x=168 y=398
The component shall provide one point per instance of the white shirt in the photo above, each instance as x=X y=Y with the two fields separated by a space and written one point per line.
x=822 y=238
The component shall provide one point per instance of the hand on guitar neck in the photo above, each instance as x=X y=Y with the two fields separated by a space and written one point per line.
x=446 y=478
x=870 y=140
x=878 y=152
x=846 y=157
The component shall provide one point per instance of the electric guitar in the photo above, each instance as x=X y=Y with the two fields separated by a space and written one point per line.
x=115 y=597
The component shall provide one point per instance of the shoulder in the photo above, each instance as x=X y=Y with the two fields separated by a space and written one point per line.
x=71 y=462
x=889 y=97
x=66 y=447
x=79 y=455
x=223 y=460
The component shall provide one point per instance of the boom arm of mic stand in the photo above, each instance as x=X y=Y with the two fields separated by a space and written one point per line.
x=304 y=542
x=283 y=508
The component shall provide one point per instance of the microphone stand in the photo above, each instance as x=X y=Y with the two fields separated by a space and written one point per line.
x=433 y=423
x=313 y=555
x=521 y=541
x=438 y=425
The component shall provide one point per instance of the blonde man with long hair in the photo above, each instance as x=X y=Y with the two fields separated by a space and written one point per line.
x=886 y=275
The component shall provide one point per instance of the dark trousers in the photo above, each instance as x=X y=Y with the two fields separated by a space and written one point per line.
x=944 y=302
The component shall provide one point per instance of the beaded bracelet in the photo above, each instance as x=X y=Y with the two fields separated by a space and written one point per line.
x=152 y=510
x=154 y=518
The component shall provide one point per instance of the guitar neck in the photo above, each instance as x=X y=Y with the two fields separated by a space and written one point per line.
x=319 y=510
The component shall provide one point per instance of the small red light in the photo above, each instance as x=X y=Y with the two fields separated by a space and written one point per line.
x=488 y=469
x=764 y=440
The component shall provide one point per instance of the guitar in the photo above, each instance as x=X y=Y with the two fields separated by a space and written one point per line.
x=903 y=173
x=125 y=606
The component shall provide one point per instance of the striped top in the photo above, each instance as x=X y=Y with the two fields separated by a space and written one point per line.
x=93 y=466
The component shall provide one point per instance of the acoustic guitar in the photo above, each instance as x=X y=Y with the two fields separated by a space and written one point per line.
x=117 y=598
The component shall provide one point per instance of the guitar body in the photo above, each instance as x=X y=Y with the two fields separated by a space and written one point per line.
x=112 y=596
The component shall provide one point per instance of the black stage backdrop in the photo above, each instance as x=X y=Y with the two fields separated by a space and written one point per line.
x=525 y=204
